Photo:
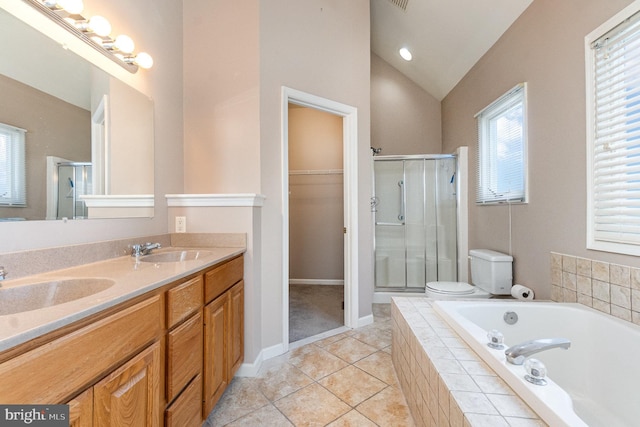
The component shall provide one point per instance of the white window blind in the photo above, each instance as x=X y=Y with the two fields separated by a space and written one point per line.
x=12 y=166
x=501 y=168
x=614 y=137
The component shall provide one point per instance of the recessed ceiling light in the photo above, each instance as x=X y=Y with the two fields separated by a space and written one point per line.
x=406 y=55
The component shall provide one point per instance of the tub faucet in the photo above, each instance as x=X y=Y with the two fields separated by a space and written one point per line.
x=3 y=273
x=518 y=353
x=144 y=248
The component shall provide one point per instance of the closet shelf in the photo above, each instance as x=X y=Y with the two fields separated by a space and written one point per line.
x=316 y=172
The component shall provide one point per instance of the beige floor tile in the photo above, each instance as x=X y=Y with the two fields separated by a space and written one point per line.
x=350 y=349
x=381 y=312
x=316 y=362
x=380 y=366
x=376 y=336
x=352 y=385
x=387 y=408
x=312 y=406
x=330 y=340
x=265 y=416
x=353 y=419
x=241 y=397
x=281 y=380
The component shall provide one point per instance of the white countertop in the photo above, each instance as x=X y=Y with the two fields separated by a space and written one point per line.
x=131 y=276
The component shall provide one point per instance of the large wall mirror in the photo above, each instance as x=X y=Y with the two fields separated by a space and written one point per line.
x=88 y=137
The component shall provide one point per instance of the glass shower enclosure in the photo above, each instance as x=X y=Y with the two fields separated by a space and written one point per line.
x=415 y=211
x=74 y=180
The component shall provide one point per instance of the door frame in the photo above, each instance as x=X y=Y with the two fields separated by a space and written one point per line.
x=349 y=116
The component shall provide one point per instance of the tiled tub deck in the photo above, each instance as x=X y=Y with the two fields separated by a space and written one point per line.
x=444 y=381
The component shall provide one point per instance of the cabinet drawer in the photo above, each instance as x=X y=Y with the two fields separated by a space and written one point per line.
x=184 y=300
x=222 y=278
x=56 y=371
x=184 y=355
x=186 y=411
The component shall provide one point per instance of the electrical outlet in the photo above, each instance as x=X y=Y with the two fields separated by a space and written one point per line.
x=181 y=224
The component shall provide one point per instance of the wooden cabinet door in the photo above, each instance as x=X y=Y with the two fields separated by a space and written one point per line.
x=81 y=410
x=236 y=327
x=216 y=320
x=130 y=396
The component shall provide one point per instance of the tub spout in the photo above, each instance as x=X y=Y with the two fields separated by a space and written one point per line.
x=518 y=353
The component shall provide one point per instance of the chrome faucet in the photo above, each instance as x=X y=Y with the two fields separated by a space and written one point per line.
x=518 y=353
x=144 y=248
x=3 y=273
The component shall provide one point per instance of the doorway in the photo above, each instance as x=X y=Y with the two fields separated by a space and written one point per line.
x=316 y=220
x=348 y=117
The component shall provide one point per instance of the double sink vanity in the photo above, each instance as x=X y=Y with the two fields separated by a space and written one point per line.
x=149 y=340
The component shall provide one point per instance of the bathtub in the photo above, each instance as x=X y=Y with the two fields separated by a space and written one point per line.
x=593 y=383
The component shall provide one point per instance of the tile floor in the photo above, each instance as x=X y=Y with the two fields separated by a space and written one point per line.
x=343 y=380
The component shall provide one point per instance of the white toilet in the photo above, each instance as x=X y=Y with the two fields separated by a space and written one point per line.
x=491 y=274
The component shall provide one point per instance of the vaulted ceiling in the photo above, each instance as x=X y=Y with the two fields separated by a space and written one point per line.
x=446 y=37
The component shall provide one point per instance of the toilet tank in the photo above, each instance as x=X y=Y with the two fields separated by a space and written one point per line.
x=491 y=271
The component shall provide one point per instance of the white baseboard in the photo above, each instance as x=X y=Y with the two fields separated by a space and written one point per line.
x=385 y=297
x=364 y=321
x=250 y=369
x=330 y=282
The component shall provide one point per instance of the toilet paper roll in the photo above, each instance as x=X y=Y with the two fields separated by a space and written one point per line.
x=521 y=292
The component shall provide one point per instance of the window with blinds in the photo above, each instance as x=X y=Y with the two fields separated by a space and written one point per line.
x=12 y=166
x=502 y=149
x=613 y=135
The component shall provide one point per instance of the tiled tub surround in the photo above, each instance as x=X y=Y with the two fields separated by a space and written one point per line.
x=444 y=381
x=131 y=279
x=611 y=288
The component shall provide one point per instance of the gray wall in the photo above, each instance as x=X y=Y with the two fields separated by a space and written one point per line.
x=405 y=119
x=54 y=128
x=544 y=47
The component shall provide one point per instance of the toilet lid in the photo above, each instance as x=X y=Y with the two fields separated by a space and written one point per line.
x=451 y=288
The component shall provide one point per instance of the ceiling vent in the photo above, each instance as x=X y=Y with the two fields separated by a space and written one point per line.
x=402 y=4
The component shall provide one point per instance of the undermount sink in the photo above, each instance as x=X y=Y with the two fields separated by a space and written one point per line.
x=175 y=256
x=30 y=297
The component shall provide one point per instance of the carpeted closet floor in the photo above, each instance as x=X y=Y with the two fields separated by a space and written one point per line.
x=314 y=309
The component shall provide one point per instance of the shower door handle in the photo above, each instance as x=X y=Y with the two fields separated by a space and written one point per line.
x=401 y=215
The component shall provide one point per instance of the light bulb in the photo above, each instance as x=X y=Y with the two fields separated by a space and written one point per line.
x=405 y=54
x=124 y=44
x=74 y=7
x=100 y=25
x=144 y=60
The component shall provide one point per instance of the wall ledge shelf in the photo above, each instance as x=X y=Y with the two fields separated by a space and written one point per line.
x=118 y=201
x=206 y=200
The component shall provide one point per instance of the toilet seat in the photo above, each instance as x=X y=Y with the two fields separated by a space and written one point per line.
x=452 y=290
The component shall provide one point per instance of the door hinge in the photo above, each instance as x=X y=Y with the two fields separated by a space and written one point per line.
x=344 y=230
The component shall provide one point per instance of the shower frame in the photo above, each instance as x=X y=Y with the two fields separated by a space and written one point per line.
x=460 y=268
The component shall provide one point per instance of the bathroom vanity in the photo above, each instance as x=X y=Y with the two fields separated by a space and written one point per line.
x=157 y=347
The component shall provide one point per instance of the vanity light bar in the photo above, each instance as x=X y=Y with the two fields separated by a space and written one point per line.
x=94 y=31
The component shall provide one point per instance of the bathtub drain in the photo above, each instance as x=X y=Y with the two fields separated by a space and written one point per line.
x=510 y=317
